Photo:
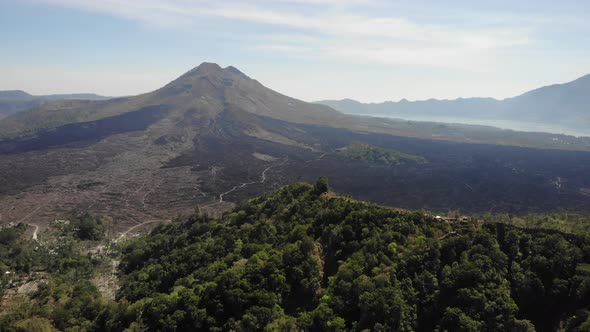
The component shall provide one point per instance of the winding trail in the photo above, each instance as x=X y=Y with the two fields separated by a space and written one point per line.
x=468 y=186
x=262 y=180
x=22 y=220
x=200 y=191
x=316 y=159
x=220 y=201
x=139 y=225
x=35 y=231
x=143 y=203
x=245 y=184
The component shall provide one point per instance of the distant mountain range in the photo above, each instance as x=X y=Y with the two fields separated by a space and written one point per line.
x=12 y=101
x=555 y=108
x=195 y=88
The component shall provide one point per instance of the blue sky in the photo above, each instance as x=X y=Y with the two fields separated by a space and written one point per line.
x=370 y=50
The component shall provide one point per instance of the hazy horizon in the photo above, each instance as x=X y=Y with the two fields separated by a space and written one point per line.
x=367 y=50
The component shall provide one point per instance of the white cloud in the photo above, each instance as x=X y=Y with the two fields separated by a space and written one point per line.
x=334 y=30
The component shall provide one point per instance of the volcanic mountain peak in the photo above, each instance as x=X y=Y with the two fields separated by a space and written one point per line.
x=206 y=79
x=205 y=91
x=213 y=70
x=208 y=66
x=204 y=69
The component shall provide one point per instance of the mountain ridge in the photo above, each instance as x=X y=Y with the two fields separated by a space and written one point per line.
x=13 y=101
x=23 y=94
x=563 y=104
x=214 y=137
x=207 y=90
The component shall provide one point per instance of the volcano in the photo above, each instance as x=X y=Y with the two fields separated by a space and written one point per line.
x=215 y=137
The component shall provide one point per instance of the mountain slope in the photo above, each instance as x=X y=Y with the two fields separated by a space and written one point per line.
x=567 y=103
x=563 y=105
x=13 y=101
x=209 y=89
x=214 y=137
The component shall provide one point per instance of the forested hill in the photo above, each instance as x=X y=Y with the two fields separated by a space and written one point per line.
x=306 y=259
x=303 y=259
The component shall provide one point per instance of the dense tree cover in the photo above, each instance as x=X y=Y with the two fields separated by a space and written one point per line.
x=303 y=259
x=88 y=227
x=306 y=259
x=366 y=152
x=15 y=255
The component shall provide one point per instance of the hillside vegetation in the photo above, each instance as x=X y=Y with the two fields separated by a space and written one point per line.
x=303 y=258
x=366 y=152
x=46 y=285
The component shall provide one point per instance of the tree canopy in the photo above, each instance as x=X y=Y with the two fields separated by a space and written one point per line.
x=301 y=260
x=306 y=259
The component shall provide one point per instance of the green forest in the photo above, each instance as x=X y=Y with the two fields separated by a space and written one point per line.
x=305 y=259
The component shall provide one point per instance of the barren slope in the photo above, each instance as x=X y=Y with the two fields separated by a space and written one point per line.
x=215 y=137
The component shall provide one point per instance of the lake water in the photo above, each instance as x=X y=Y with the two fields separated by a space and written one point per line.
x=504 y=124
